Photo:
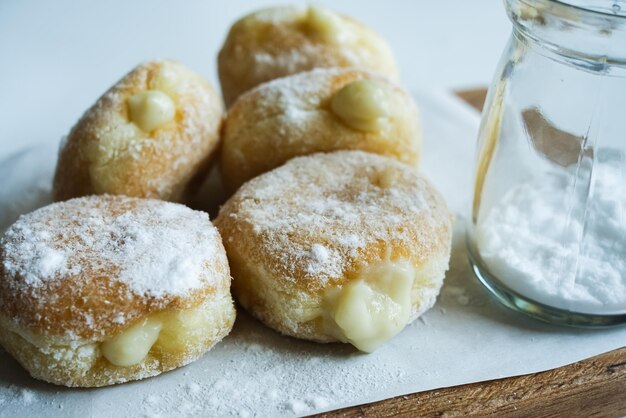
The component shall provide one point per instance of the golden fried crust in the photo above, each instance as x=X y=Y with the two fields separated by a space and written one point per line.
x=334 y=200
x=89 y=295
x=277 y=42
x=292 y=117
x=105 y=152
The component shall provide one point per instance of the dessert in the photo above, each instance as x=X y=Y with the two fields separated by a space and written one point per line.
x=106 y=289
x=346 y=246
x=280 y=41
x=322 y=110
x=153 y=134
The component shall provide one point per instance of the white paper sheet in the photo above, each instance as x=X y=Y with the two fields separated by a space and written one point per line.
x=467 y=337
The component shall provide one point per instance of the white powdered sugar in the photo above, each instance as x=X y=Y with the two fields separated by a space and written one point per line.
x=320 y=253
x=555 y=242
x=155 y=248
x=21 y=396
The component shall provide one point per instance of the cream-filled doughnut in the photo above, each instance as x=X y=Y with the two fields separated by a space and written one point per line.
x=346 y=246
x=280 y=41
x=150 y=135
x=322 y=110
x=106 y=289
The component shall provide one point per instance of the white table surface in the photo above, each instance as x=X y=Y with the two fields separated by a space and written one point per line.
x=57 y=57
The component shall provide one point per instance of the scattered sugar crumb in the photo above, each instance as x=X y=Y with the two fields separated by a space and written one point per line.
x=320 y=253
x=297 y=406
x=194 y=388
x=272 y=394
x=319 y=402
x=27 y=396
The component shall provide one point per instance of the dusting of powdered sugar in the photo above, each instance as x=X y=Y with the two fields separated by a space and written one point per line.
x=298 y=97
x=358 y=45
x=284 y=377
x=550 y=240
x=156 y=248
x=316 y=213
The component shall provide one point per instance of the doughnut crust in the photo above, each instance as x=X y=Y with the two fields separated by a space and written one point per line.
x=300 y=235
x=297 y=115
x=150 y=135
x=83 y=284
x=280 y=41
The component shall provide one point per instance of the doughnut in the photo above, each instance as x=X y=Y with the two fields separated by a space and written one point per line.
x=151 y=135
x=318 y=111
x=280 y=41
x=345 y=246
x=107 y=289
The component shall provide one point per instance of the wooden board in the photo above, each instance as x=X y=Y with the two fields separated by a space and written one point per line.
x=595 y=387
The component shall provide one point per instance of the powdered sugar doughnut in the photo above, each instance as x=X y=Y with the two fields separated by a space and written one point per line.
x=318 y=111
x=280 y=41
x=151 y=135
x=106 y=289
x=346 y=246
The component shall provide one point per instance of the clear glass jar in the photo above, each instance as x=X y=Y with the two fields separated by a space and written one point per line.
x=547 y=231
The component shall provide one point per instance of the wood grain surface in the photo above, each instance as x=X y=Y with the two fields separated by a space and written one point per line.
x=595 y=387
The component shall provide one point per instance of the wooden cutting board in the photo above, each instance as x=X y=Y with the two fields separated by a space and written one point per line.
x=593 y=387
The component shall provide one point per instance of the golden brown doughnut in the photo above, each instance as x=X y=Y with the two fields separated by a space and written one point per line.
x=150 y=135
x=322 y=110
x=106 y=289
x=280 y=41
x=346 y=246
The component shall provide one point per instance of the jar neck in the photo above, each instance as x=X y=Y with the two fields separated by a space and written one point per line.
x=594 y=36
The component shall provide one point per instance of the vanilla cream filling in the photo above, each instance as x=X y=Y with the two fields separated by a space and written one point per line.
x=363 y=105
x=172 y=332
x=373 y=308
x=132 y=346
x=327 y=25
x=151 y=109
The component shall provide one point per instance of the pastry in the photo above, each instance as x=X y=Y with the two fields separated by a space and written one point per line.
x=151 y=135
x=318 y=111
x=106 y=289
x=280 y=41
x=346 y=246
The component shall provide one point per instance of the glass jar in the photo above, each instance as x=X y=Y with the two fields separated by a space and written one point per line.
x=547 y=231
